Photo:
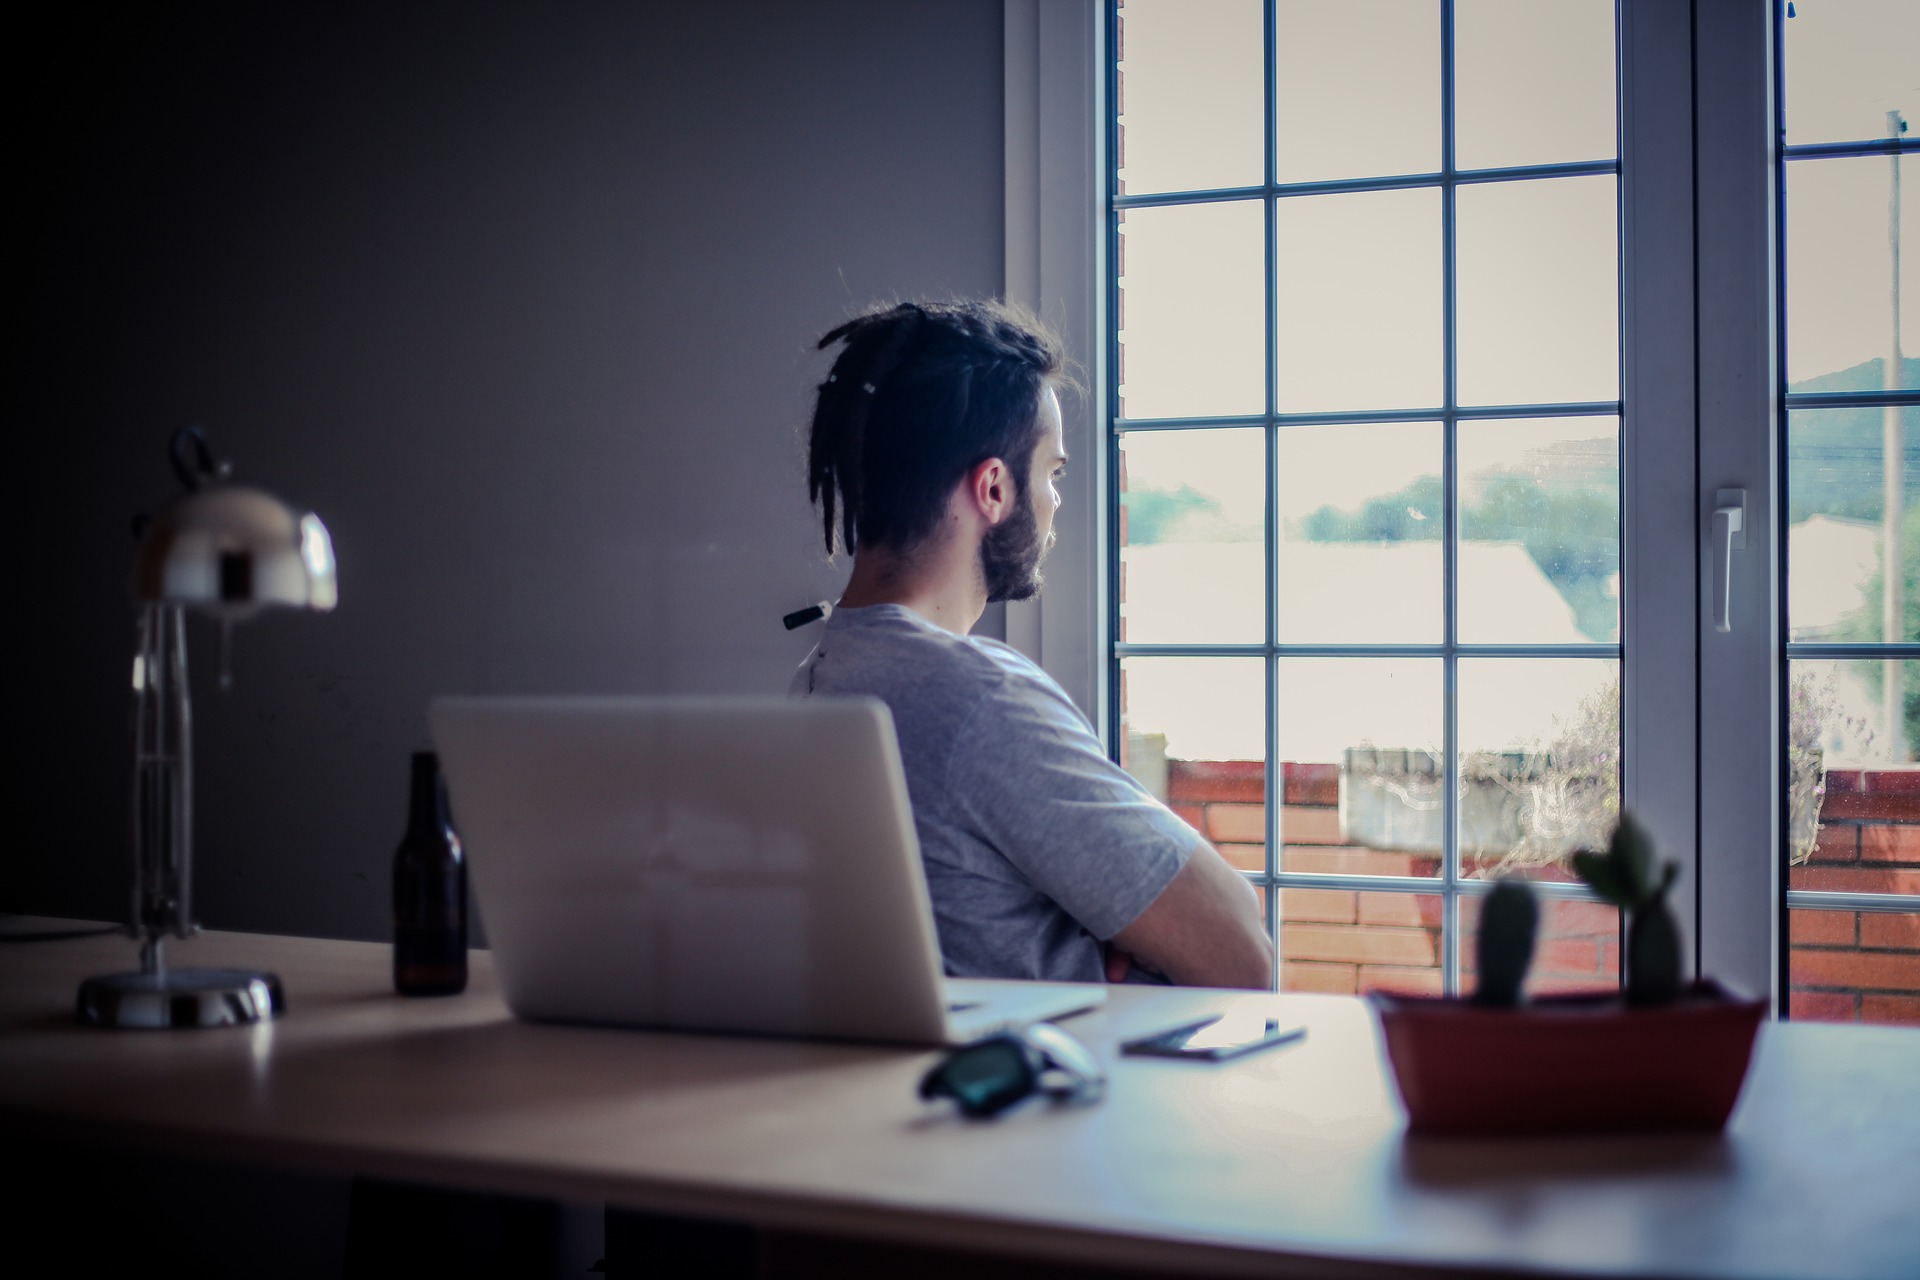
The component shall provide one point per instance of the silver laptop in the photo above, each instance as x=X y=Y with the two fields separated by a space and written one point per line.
x=710 y=864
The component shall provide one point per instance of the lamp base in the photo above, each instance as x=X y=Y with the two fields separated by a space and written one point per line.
x=181 y=998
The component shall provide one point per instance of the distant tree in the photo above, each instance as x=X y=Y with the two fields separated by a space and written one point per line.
x=1571 y=531
x=1153 y=514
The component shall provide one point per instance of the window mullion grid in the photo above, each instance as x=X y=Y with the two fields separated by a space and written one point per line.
x=1273 y=775
x=1449 y=530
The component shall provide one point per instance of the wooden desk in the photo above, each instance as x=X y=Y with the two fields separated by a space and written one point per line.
x=1289 y=1162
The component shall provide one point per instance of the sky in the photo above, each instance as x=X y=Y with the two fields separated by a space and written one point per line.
x=1359 y=275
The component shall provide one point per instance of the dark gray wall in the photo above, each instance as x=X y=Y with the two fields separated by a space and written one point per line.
x=519 y=298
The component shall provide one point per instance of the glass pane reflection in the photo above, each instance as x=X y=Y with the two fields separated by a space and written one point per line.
x=1539 y=291
x=1192 y=550
x=1539 y=762
x=1192 y=311
x=1348 y=943
x=1847 y=65
x=1357 y=88
x=1359 y=322
x=1374 y=727
x=1539 y=531
x=1840 y=272
x=1534 y=82
x=1360 y=518
x=1191 y=82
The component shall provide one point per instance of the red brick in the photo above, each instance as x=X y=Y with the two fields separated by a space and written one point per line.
x=1903 y=1010
x=1890 y=844
x=1837 y=842
x=1242 y=823
x=1244 y=857
x=1568 y=957
x=1581 y=919
x=1845 y=780
x=1324 y=906
x=1358 y=945
x=1905 y=782
x=1872 y=806
x=1334 y=979
x=1821 y=1006
x=1205 y=781
x=1402 y=909
x=1854 y=879
x=1820 y=928
x=1861 y=970
x=1410 y=982
x=1194 y=815
x=1299 y=825
x=1900 y=931
x=1315 y=784
x=1344 y=860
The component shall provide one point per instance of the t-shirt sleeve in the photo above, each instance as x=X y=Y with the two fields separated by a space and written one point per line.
x=1030 y=778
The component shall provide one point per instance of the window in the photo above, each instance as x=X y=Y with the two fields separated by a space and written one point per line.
x=1366 y=421
x=1850 y=399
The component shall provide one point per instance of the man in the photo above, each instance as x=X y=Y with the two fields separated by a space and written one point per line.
x=937 y=439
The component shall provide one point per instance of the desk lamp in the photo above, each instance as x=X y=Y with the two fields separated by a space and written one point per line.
x=226 y=552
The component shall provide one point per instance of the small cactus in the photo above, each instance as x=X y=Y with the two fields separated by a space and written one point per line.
x=1630 y=877
x=1508 y=921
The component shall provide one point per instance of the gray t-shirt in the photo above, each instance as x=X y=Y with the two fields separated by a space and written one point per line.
x=1037 y=846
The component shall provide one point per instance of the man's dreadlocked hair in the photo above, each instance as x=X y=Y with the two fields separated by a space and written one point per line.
x=921 y=394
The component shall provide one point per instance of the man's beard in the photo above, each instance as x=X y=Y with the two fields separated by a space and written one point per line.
x=1011 y=552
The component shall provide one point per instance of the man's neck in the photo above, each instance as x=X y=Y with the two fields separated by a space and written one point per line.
x=942 y=584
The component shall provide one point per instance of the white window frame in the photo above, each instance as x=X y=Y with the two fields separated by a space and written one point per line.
x=1699 y=399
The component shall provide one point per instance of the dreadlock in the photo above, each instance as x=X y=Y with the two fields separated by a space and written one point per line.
x=920 y=394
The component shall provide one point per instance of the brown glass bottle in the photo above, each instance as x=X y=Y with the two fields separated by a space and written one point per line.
x=429 y=893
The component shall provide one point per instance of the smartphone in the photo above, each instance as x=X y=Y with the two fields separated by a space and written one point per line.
x=1215 y=1039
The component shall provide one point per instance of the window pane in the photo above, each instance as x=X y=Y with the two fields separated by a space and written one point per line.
x=1193 y=312
x=1194 y=733
x=1837 y=527
x=1345 y=942
x=1533 y=82
x=1359 y=323
x=1375 y=725
x=1851 y=727
x=1540 y=531
x=1576 y=947
x=1191 y=84
x=1539 y=284
x=1358 y=89
x=1840 y=272
x=1539 y=762
x=1854 y=966
x=1192 y=537
x=1360 y=522
x=1847 y=65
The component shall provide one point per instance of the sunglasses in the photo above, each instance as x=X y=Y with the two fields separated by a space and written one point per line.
x=990 y=1075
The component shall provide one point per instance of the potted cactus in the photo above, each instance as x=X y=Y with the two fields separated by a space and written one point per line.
x=1659 y=1055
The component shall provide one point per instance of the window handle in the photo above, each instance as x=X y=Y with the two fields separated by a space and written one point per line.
x=1729 y=536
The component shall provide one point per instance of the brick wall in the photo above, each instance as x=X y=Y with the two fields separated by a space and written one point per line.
x=1347 y=941
x=1845 y=966
x=1860 y=966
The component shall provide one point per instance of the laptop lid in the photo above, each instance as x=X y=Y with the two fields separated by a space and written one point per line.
x=715 y=864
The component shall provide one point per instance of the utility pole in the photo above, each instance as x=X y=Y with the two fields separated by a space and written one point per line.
x=1893 y=446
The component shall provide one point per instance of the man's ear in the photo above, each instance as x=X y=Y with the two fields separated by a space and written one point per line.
x=989 y=490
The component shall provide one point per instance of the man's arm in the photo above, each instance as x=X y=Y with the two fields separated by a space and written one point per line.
x=1204 y=930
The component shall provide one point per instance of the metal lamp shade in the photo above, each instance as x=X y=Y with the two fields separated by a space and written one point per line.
x=231 y=551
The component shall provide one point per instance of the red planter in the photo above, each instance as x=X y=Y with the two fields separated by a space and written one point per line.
x=1569 y=1064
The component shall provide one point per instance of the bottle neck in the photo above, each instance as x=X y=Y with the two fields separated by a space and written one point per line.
x=427 y=811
